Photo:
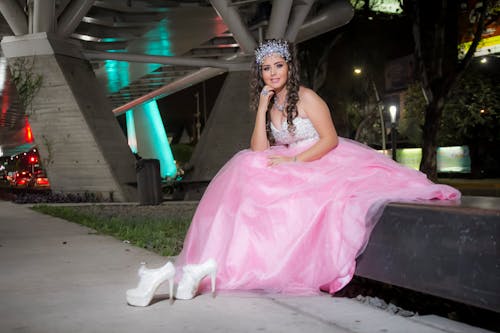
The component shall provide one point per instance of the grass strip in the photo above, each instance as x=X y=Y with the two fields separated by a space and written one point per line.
x=162 y=235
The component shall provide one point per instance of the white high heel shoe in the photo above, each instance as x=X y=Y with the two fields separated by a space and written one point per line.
x=193 y=274
x=150 y=280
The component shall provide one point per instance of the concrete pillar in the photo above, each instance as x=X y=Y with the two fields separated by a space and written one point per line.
x=234 y=22
x=279 y=19
x=14 y=15
x=80 y=142
x=72 y=16
x=226 y=132
x=44 y=12
x=152 y=141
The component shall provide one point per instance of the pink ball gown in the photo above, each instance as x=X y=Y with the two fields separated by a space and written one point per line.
x=296 y=227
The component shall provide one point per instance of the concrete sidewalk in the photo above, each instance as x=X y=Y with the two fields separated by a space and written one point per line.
x=57 y=276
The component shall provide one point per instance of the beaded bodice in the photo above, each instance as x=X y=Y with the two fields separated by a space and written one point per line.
x=304 y=132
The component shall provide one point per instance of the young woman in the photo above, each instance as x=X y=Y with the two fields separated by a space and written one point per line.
x=292 y=213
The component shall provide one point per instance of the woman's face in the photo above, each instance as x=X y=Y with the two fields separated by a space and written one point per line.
x=274 y=71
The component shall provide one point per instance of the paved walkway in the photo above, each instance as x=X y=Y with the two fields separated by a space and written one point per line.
x=56 y=276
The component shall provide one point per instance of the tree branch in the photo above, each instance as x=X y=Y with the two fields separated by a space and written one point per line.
x=462 y=65
x=477 y=37
x=418 y=52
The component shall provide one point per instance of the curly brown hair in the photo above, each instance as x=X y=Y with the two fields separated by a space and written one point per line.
x=292 y=87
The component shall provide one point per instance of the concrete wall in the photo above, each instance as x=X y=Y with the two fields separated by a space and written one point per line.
x=227 y=131
x=80 y=142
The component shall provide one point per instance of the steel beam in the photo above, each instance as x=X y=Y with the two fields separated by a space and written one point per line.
x=61 y=7
x=279 y=18
x=72 y=16
x=297 y=18
x=15 y=17
x=44 y=12
x=336 y=15
x=232 y=19
x=186 y=81
x=165 y=60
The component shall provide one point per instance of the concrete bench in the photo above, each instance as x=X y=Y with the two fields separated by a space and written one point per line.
x=446 y=250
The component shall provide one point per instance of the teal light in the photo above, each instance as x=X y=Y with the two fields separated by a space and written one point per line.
x=117 y=74
x=159 y=43
x=159 y=38
x=111 y=40
x=159 y=139
x=131 y=136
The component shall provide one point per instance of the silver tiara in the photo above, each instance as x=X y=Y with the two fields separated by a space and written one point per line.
x=273 y=46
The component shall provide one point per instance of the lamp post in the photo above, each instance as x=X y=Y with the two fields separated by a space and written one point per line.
x=393 y=111
x=358 y=71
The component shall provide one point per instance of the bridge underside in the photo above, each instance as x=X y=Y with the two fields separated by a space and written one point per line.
x=103 y=58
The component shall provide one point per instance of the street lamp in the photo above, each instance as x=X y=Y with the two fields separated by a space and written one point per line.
x=393 y=112
x=358 y=71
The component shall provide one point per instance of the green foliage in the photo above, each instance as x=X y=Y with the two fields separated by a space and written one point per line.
x=164 y=235
x=354 y=116
x=463 y=122
x=363 y=111
x=412 y=117
x=369 y=131
x=472 y=112
x=182 y=152
x=27 y=83
x=376 y=134
x=387 y=6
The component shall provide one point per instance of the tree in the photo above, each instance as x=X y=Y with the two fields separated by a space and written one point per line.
x=435 y=33
x=471 y=117
x=411 y=119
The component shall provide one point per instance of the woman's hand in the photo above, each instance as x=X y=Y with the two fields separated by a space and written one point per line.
x=279 y=159
x=265 y=96
x=259 y=141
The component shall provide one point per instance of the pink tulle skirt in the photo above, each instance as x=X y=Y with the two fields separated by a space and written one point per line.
x=296 y=227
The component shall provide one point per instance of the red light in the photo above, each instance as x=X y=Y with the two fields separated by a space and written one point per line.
x=5 y=103
x=42 y=181
x=28 y=135
x=33 y=159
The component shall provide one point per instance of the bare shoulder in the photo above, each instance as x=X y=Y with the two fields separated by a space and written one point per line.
x=307 y=94
x=310 y=101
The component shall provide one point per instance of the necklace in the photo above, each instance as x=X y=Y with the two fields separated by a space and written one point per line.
x=280 y=107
